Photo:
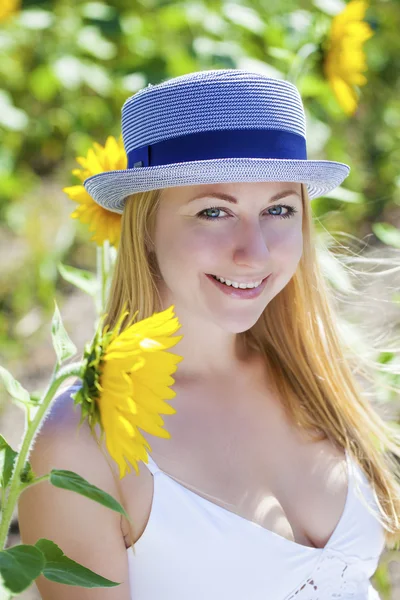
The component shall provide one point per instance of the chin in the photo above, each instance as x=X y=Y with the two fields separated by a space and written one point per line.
x=238 y=326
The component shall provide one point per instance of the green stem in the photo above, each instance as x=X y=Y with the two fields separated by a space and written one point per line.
x=103 y=277
x=15 y=486
x=2 y=498
x=99 y=277
x=23 y=486
x=103 y=267
x=106 y=270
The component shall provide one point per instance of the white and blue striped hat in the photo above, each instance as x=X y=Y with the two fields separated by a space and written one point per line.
x=215 y=126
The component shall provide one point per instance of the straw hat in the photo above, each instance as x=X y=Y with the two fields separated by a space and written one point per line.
x=215 y=126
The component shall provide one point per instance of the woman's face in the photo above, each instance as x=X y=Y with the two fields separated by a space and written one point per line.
x=250 y=234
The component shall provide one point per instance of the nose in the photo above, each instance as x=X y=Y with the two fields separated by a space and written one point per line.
x=251 y=249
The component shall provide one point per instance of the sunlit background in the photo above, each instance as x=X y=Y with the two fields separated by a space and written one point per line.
x=66 y=68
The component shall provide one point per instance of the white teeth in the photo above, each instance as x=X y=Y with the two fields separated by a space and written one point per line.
x=234 y=284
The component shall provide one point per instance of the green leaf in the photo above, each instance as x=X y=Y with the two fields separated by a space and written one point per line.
x=36 y=18
x=62 y=344
x=7 y=459
x=283 y=54
x=20 y=566
x=61 y=569
x=68 y=480
x=91 y=41
x=382 y=580
x=386 y=357
x=14 y=388
x=244 y=16
x=36 y=398
x=43 y=83
x=345 y=195
x=97 y=11
x=84 y=280
x=12 y=118
x=388 y=234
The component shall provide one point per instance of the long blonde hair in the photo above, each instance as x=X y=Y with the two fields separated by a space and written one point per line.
x=305 y=355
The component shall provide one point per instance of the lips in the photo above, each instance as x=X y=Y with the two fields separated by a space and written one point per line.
x=238 y=293
x=246 y=282
x=224 y=283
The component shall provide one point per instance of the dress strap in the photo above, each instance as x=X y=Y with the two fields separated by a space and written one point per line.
x=151 y=465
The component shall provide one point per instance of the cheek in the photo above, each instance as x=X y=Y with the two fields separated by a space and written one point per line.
x=188 y=250
x=204 y=246
x=287 y=249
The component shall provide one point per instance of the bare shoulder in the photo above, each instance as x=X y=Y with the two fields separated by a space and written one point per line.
x=86 y=531
x=62 y=413
x=61 y=440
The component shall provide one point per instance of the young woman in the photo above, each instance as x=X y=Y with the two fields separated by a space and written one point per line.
x=272 y=484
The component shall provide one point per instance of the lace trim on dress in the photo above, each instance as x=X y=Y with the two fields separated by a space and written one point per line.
x=335 y=576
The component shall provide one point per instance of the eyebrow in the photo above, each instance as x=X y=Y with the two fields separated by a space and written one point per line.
x=234 y=200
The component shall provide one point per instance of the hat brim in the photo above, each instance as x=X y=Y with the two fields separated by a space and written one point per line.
x=110 y=188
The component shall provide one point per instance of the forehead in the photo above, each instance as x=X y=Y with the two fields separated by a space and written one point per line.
x=239 y=190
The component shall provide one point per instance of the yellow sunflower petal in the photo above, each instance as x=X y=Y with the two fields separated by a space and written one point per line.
x=345 y=94
x=105 y=224
x=345 y=59
x=9 y=8
x=81 y=175
x=134 y=384
x=151 y=399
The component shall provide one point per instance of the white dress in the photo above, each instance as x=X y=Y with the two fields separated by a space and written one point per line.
x=193 y=549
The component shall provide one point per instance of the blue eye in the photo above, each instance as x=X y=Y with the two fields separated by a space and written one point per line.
x=290 y=212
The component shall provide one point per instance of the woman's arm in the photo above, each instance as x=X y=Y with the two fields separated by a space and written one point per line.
x=86 y=531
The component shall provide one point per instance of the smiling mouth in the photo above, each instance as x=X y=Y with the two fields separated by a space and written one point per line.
x=227 y=278
x=233 y=286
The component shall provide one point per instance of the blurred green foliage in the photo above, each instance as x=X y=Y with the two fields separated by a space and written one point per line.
x=68 y=66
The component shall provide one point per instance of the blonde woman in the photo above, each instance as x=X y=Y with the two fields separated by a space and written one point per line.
x=272 y=485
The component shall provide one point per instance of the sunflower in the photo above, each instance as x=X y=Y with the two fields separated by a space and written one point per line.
x=106 y=224
x=8 y=8
x=126 y=378
x=345 y=61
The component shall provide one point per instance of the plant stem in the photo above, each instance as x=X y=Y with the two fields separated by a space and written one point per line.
x=23 y=486
x=103 y=278
x=15 y=485
x=99 y=277
x=103 y=268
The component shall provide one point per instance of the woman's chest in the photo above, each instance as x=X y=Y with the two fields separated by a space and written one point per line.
x=248 y=460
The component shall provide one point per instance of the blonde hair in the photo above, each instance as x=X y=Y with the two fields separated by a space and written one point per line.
x=298 y=334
